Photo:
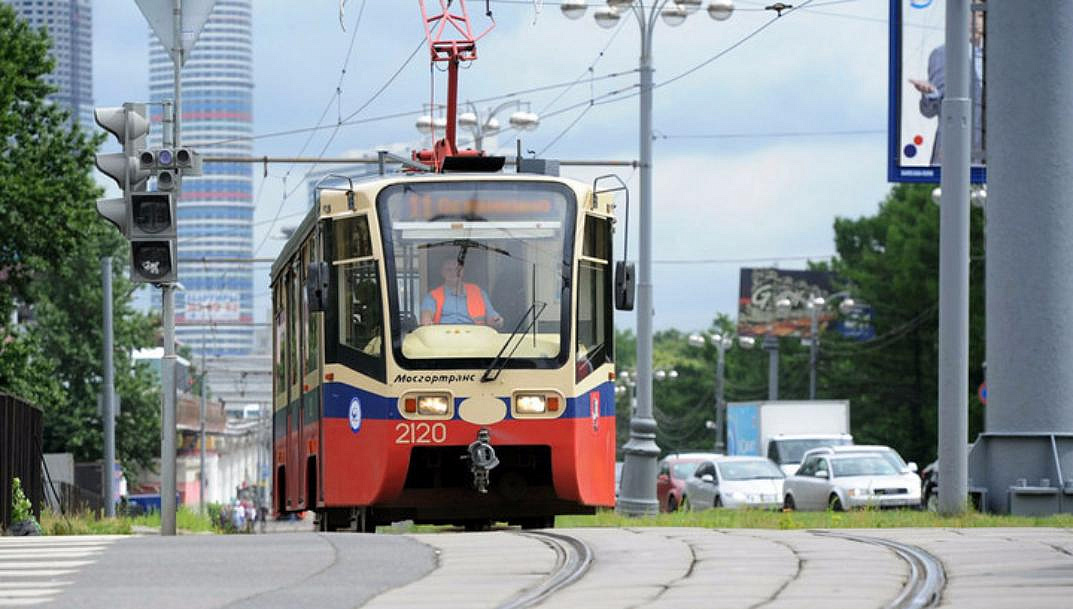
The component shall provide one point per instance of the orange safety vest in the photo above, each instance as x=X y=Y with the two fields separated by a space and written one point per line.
x=474 y=303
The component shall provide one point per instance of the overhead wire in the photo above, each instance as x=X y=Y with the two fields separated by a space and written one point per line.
x=620 y=95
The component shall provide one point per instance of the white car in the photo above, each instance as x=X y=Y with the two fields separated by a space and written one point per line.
x=734 y=482
x=850 y=480
x=885 y=451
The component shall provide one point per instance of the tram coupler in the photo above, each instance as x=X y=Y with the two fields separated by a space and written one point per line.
x=482 y=458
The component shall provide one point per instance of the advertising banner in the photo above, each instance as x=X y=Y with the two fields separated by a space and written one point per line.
x=916 y=89
x=212 y=306
x=760 y=289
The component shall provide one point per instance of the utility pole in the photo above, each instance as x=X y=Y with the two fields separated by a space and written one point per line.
x=954 y=261
x=1028 y=419
x=201 y=436
x=720 y=404
x=108 y=401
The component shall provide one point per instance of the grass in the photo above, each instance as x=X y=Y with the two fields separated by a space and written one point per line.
x=856 y=519
x=187 y=521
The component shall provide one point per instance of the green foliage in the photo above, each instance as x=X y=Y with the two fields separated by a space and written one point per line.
x=21 y=508
x=50 y=261
x=854 y=519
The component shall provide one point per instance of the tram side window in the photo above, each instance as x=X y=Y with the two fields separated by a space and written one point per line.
x=312 y=321
x=594 y=331
x=352 y=239
x=361 y=318
x=281 y=340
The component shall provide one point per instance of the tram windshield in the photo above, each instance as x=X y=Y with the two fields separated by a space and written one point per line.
x=478 y=270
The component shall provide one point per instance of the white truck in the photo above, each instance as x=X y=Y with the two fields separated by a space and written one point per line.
x=783 y=430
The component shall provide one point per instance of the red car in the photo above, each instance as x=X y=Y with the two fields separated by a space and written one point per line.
x=673 y=471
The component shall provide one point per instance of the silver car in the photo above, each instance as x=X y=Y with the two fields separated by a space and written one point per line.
x=734 y=482
x=850 y=480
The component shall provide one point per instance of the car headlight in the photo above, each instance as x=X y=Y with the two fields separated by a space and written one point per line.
x=531 y=404
x=858 y=492
x=432 y=405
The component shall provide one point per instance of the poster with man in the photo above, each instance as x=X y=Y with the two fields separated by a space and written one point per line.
x=917 y=87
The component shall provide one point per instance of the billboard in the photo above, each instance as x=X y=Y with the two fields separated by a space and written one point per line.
x=760 y=289
x=212 y=306
x=916 y=88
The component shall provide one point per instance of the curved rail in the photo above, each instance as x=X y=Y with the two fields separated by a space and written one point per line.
x=574 y=557
x=926 y=575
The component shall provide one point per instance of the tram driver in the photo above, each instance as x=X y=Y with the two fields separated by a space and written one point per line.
x=458 y=302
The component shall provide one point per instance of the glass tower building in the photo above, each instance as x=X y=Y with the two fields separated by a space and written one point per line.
x=215 y=211
x=70 y=24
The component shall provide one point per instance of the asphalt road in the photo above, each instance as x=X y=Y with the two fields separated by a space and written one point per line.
x=652 y=568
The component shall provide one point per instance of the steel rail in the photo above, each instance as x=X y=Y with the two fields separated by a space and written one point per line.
x=573 y=558
x=927 y=578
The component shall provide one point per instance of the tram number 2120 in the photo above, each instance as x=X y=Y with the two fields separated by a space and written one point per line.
x=420 y=433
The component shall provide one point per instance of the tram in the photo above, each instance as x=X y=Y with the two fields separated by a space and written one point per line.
x=443 y=346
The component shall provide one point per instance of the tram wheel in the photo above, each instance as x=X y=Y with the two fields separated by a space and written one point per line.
x=537 y=522
x=477 y=525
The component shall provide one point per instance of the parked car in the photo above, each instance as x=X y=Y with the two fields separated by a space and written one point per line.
x=886 y=452
x=674 y=470
x=851 y=480
x=734 y=482
x=929 y=487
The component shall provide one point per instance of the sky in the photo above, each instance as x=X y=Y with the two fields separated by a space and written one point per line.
x=768 y=199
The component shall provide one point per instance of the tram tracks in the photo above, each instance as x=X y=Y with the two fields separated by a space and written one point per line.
x=927 y=578
x=573 y=558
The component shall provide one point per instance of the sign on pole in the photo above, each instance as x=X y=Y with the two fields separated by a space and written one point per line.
x=917 y=84
x=161 y=17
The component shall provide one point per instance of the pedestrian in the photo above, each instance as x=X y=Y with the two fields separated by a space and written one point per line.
x=238 y=516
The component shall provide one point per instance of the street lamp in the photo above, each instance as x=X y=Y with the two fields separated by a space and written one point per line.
x=815 y=304
x=721 y=342
x=522 y=120
x=638 y=493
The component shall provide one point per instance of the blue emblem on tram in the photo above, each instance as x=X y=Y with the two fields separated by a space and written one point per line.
x=355 y=415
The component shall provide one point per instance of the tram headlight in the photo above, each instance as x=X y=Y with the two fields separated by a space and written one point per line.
x=531 y=404
x=433 y=405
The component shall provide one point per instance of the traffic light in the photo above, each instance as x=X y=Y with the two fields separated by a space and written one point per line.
x=146 y=219
x=168 y=165
x=152 y=237
x=129 y=124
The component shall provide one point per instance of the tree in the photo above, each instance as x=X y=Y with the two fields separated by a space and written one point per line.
x=891 y=262
x=49 y=260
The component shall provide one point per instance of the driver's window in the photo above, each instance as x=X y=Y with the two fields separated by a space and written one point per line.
x=594 y=333
x=808 y=467
x=821 y=465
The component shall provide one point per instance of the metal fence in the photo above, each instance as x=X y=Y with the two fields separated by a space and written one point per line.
x=21 y=437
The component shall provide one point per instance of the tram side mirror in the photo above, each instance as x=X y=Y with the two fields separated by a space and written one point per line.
x=624 y=288
x=317 y=274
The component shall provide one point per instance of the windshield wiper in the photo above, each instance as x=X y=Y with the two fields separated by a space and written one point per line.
x=500 y=362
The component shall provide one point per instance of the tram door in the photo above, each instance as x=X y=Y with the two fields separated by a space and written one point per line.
x=311 y=382
x=294 y=475
x=279 y=400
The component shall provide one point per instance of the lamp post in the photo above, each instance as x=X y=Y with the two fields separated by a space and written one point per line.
x=722 y=342
x=523 y=120
x=638 y=494
x=815 y=304
x=771 y=345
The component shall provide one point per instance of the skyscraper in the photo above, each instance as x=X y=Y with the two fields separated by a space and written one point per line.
x=215 y=212
x=70 y=24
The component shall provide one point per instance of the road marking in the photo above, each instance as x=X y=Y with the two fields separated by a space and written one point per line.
x=30 y=566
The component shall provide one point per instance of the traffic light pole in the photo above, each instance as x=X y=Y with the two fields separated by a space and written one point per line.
x=168 y=429
x=108 y=403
